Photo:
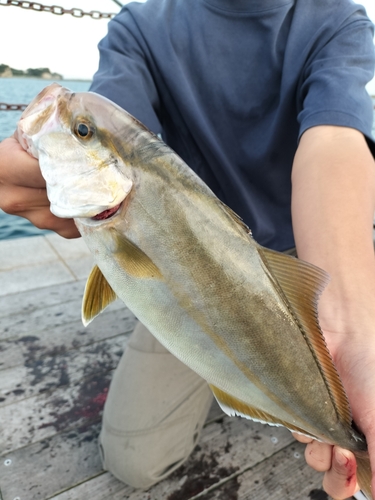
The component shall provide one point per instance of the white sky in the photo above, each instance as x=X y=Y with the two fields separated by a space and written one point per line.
x=65 y=44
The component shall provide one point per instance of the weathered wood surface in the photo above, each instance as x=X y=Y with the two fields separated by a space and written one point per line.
x=54 y=377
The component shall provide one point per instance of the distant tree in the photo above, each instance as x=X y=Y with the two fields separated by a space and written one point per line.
x=37 y=71
x=30 y=72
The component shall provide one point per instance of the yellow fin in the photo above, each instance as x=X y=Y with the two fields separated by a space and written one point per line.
x=301 y=284
x=98 y=295
x=133 y=260
x=233 y=406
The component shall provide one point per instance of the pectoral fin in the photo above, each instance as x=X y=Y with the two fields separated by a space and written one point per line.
x=134 y=260
x=98 y=295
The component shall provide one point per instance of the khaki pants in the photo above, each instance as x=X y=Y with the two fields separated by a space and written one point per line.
x=155 y=410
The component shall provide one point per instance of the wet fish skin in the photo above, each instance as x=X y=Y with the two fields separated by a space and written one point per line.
x=241 y=316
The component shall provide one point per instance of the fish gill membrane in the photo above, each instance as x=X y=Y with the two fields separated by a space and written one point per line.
x=242 y=316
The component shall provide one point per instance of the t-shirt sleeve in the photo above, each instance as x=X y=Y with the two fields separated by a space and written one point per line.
x=333 y=84
x=123 y=75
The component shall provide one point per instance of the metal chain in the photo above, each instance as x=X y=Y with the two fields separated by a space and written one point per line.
x=12 y=107
x=55 y=9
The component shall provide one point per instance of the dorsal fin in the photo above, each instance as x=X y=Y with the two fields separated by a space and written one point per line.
x=301 y=284
x=98 y=295
x=235 y=217
x=233 y=406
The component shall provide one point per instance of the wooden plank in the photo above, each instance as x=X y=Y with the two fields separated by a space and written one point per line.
x=65 y=368
x=104 y=487
x=38 y=344
x=26 y=253
x=40 y=417
x=242 y=444
x=36 y=262
x=67 y=467
x=49 y=466
x=26 y=322
x=42 y=297
x=20 y=279
x=225 y=446
x=285 y=475
x=74 y=253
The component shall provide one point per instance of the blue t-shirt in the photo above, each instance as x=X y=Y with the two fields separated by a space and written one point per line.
x=232 y=84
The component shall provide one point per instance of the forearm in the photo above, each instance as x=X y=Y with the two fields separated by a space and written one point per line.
x=333 y=203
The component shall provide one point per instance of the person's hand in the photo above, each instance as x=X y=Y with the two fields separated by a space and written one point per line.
x=23 y=190
x=338 y=464
x=354 y=356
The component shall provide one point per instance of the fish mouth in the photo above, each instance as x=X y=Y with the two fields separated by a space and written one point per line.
x=108 y=213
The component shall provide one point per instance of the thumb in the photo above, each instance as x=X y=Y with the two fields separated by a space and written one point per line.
x=340 y=481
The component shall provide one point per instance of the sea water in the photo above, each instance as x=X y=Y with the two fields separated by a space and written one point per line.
x=22 y=91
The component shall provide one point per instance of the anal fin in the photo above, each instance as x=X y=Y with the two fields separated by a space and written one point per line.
x=233 y=406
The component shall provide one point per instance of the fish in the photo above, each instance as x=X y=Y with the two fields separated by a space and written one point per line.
x=242 y=316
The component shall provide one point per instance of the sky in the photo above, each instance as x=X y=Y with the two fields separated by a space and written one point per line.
x=64 y=44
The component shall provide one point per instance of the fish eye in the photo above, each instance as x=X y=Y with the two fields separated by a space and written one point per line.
x=83 y=130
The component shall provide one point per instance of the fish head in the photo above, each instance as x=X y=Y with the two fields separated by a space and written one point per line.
x=83 y=171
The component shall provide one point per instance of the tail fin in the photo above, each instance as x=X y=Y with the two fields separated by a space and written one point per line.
x=364 y=474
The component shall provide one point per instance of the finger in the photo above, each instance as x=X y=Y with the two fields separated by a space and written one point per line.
x=44 y=219
x=340 y=481
x=33 y=205
x=302 y=438
x=18 y=167
x=15 y=200
x=319 y=456
x=64 y=227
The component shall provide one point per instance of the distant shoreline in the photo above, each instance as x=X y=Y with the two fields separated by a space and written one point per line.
x=45 y=79
x=40 y=73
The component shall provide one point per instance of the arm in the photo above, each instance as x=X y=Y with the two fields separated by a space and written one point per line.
x=333 y=203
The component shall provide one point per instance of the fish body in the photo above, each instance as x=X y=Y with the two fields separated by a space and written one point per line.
x=242 y=316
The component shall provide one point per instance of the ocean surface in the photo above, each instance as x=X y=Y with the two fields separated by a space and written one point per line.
x=22 y=91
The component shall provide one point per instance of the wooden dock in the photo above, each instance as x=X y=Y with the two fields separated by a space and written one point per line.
x=54 y=377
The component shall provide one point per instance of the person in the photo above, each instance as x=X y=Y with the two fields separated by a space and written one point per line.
x=266 y=101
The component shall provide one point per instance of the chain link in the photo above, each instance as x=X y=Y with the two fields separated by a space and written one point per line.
x=12 y=107
x=55 y=9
